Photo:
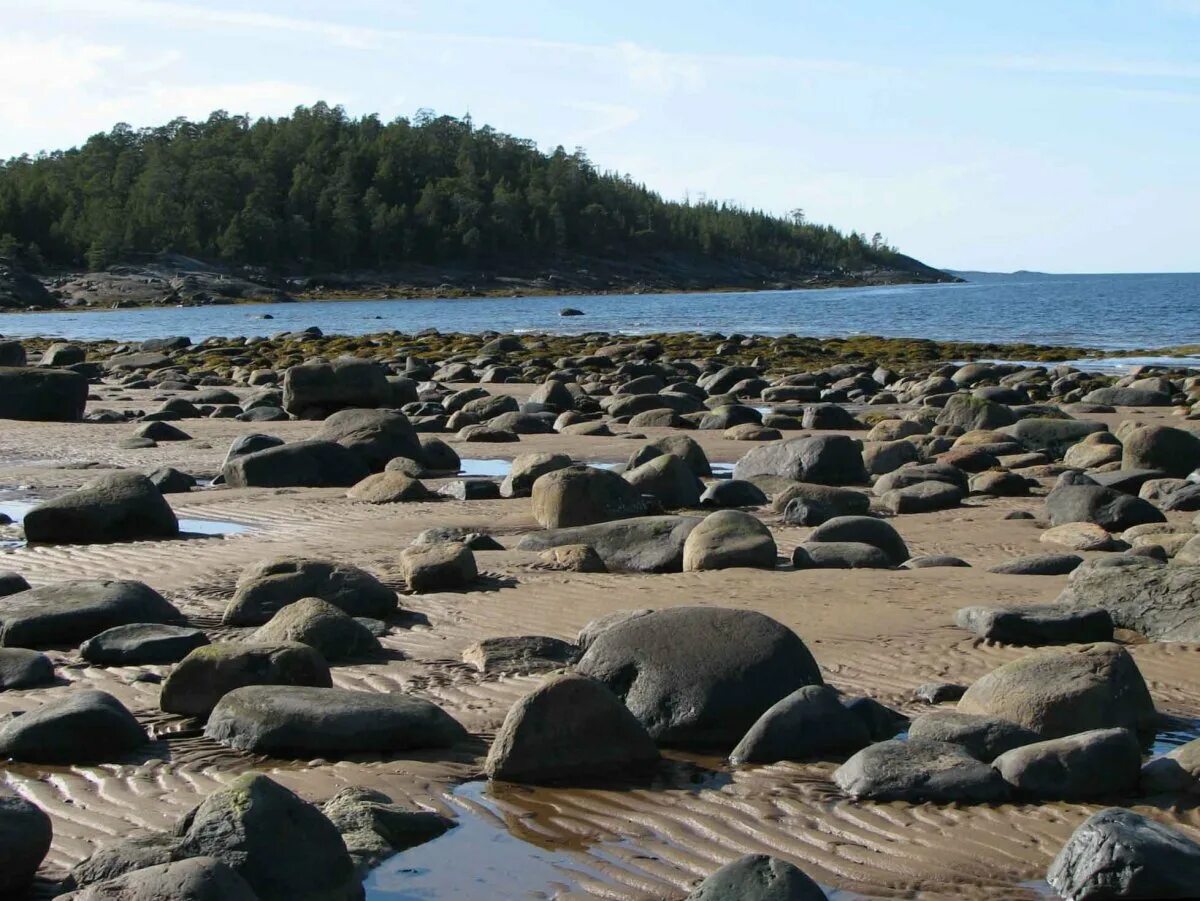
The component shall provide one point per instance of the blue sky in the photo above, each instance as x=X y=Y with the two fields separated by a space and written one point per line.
x=1062 y=136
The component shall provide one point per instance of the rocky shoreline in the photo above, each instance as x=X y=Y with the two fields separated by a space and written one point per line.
x=827 y=614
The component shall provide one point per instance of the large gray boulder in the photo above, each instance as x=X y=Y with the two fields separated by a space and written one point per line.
x=446 y=566
x=646 y=544
x=209 y=673
x=270 y=585
x=1092 y=764
x=142 y=643
x=1173 y=452
x=550 y=735
x=919 y=771
x=863 y=530
x=1052 y=436
x=968 y=412
x=1160 y=602
x=757 y=877
x=983 y=737
x=373 y=436
x=306 y=722
x=681 y=446
x=1106 y=507
x=1128 y=397
x=85 y=726
x=810 y=722
x=699 y=676
x=303 y=464
x=1177 y=771
x=283 y=847
x=320 y=625
x=824 y=459
x=194 y=879
x=25 y=835
x=120 y=506
x=1117 y=853
x=67 y=613
x=23 y=668
x=375 y=829
x=42 y=395
x=314 y=390
x=581 y=496
x=667 y=479
x=527 y=469
x=1065 y=691
x=1037 y=624
x=728 y=539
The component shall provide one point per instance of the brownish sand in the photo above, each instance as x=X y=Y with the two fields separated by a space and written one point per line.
x=873 y=632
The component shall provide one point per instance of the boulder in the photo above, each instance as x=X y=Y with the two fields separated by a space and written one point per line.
x=1117 y=853
x=646 y=544
x=1160 y=602
x=968 y=412
x=23 y=668
x=1038 y=565
x=121 y=506
x=728 y=539
x=550 y=735
x=809 y=723
x=1037 y=624
x=983 y=737
x=1105 y=507
x=1176 y=772
x=268 y=586
x=306 y=722
x=1173 y=452
x=1062 y=692
x=863 y=530
x=314 y=390
x=194 y=879
x=757 y=877
x=924 y=497
x=1093 y=764
x=699 y=676
x=841 y=501
x=824 y=459
x=25 y=835
x=1128 y=397
x=729 y=493
x=919 y=771
x=66 y=613
x=520 y=654
x=527 y=469
x=12 y=583
x=83 y=727
x=829 y=417
x=1052 y=436
x=438 y=567
x=375 y=829
x=579 y=558
x=207 y=674
x=303 y=464
x=141 y=643
x=319 y=625
x=42 y=395
x=390 y=487
x=667 y=479
x=581 y=496
x=373 y=436
x=840 y=555
x=1079 y=536
x=169 y=480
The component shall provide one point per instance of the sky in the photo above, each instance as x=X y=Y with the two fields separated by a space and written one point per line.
x=1058 y=136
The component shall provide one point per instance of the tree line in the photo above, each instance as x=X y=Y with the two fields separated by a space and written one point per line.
x=319 y=189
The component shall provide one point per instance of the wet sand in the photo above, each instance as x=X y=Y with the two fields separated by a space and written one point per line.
x=873 y=632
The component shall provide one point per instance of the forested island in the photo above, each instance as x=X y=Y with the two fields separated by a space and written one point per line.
x=320 y=203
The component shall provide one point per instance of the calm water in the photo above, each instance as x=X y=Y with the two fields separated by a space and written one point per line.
x=1117 y=312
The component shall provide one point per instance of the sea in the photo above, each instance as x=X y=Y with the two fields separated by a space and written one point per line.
x=1118 y=313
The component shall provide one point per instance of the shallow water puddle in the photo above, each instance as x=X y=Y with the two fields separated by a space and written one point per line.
x=1178 y=731
x=509 y=844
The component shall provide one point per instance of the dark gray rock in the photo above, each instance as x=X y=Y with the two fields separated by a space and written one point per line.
x=373 y=436
x=681 y=446
x=699 y=676
x=121 y=506
x=42 y=395
x=268 y=586
x=1160 y=602
x=84 y=727
x=169 y=480
x=728 y=539
x=23 y=668
x=667 y=479
x=550 y=735
x=194 y=879
x=824 y=459
x=646 y=544
x=1037 y=624
x=1038 y=565
x=320 y=625
x=810 y=722
x=208 y=673
x=142 y=643
x=983 y=737
x=67 y=613
x=1093 y=764
x=863 y=530
x=304 y=464
x=12 y=583
x=933 y=561
x=920 y=771
x=729 y=493
x=25 y=836
x=375 y=829
x=938 y=692
x=1105 y=507
x=840 y=555
x=757 y=877
x=1117 y=853
x=882 y=722
x=303 y=721
x=520 y=654
x=527 y=468
x=314 y=390
x=924 y=497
